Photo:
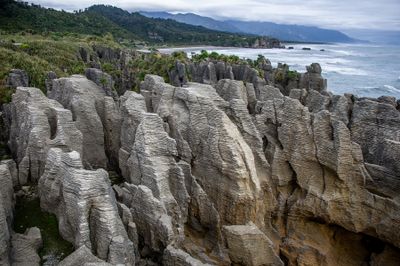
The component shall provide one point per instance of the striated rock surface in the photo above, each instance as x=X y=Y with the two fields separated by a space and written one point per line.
x=37 y=124
x=177 y=75
x=17 y=78
x=178 y=257
x=233 y=171
x=82 y=256
x=25 y=247
x=312 y=79
x=95 y=115
x=304 y=162
x=249 y=246
x=7 y=202
x=85 y=206
x=103 y=80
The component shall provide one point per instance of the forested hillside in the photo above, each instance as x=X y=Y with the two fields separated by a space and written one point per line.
x=100 y=20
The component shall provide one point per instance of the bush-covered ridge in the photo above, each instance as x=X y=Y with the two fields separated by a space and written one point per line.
x=37 y=55
x=100 y=20
x=60 y=53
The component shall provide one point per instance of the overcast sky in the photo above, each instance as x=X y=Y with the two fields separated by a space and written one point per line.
x=335 y=14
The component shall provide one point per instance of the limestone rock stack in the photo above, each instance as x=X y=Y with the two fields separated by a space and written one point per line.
x=232 y=170
x=85 y=206
x=95 y=115
x=7 y=202
x=37 y=124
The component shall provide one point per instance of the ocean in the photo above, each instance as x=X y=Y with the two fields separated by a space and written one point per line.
x=365 y=70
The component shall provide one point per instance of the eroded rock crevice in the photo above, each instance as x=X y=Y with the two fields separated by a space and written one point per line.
x=229 y=171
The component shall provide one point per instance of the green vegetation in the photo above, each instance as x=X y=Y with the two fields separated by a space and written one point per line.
x=21 y=16
x=169 y=31
x=29 y=214
x=115 y=178
x=38 y=54
x=204 y=55
x=98 y=20
x=154 y=63
x=292 y=75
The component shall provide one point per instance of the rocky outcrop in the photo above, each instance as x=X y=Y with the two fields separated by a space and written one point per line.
x=177 y=75
x=17 y=78
x=25 y=247
x=236 y=171
x=178 y=257
x=203 y=139
x=85 y=206
x=37 y=124
x=96 y=116
x=82 y=256
x=375 y=126
x=267 y=43
x=7 y=202
x=299 y=158
x=103 y=80
x=249 y=246
x=312 y=79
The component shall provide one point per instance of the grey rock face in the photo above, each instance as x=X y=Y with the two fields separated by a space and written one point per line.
x=204 y=135
x=17 y=78
x=236 y=94
x=233 y=173
x=312 y=79
x=25 y=247
x=103 y=80
x=375 y=126
x=177 y=75
x=7 y=202
x=37 y=124
x=306 y=155
x=85 y=206
x=249 y=246
x=95 y=115
x=82 y=256
x=203 y=72
x=159 y=184
x=178 y=257
x=49 y=80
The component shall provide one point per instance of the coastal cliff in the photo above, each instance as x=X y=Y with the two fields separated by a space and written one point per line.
x=227 y=165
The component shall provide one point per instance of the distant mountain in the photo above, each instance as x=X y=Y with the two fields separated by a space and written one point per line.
x=376 y=36
x=291 y=32
x=16 y=16
x=174 y=32
x=280 y=31
x=193 y=19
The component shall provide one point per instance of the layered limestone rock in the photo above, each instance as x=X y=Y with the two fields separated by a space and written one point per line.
x=249 y=246
x=312 y=79
x=157 y=184
x=375 y=126
x=320 y=172
x=208 y=140
x=306 y=161
x=177 y=75
x=103 y=80
x=237 y=172
x=38 y=124
x=82 y=256
x=25 y=247
x=96 y=116
x=178 y=257
x=85 y=206
x=7 y=202
x=17 y=78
